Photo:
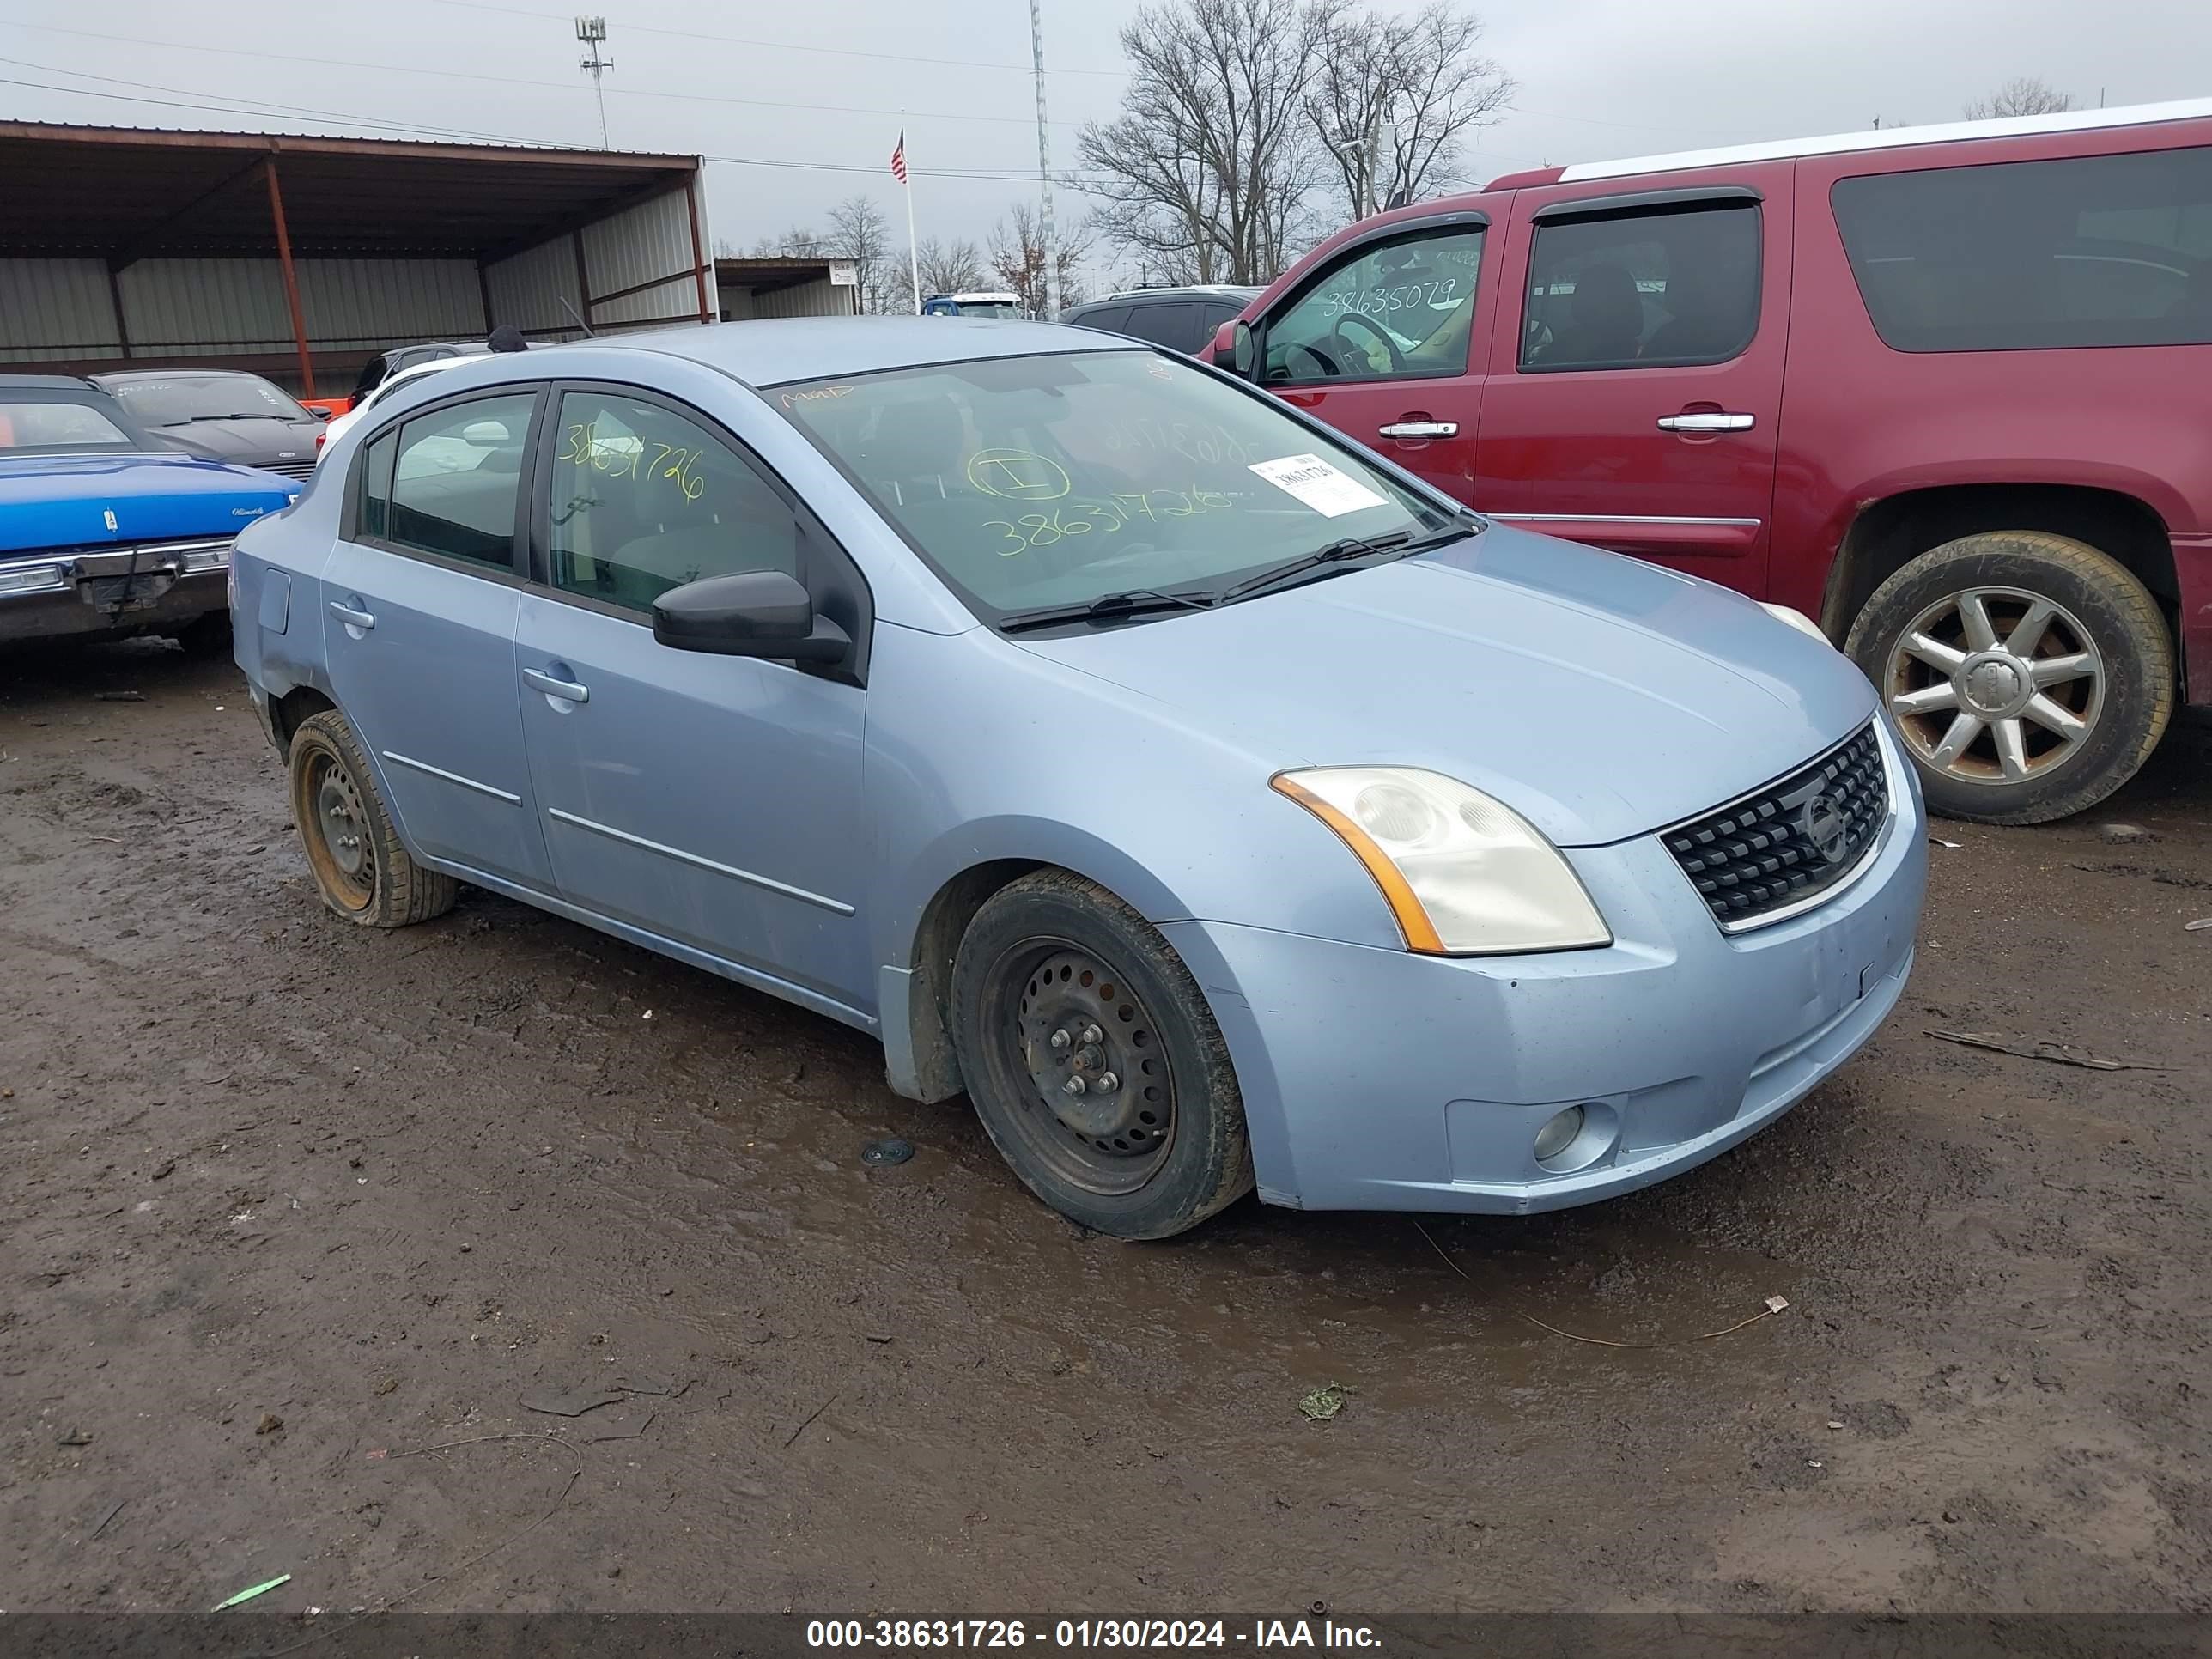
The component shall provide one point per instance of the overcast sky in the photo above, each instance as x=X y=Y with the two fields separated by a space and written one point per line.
x=828 y=85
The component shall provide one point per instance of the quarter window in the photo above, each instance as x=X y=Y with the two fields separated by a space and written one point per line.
x=1402 y=311
x=1643 y=290
x=644 y=500
x=2092 y=250
x=448 y=484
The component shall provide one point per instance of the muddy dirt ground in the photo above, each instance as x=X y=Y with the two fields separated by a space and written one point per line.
x=285 y=1203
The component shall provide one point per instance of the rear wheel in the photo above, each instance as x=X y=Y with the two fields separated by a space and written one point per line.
x=2030 y=674
x=363 y=872
x=1093 y=1062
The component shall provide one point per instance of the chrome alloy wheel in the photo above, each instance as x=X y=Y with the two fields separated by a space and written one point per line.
x=1994 y=685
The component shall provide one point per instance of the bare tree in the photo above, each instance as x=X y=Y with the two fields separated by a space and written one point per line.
x=950 y=267
x=857 y=233
x=796 y=243
x=1206 y=171
x=1017 y=257
x=1393 y=99
x=2024 y=95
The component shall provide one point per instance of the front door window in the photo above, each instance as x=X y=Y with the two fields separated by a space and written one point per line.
x=1400 y=310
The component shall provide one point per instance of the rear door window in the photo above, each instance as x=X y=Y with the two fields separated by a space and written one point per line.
x=456 y=476
x=2089 y=251
x=1114 y=320
x=1641 y=290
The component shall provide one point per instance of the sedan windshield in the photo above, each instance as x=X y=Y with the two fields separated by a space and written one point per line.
x=1031 y=483
x=177 y=399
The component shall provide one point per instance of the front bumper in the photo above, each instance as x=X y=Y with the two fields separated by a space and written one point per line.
x=1379 y=1079
x=56 y=595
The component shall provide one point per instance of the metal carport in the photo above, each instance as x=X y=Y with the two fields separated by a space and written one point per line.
x=303 y=257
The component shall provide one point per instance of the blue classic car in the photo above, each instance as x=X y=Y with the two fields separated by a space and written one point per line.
x=104 y=529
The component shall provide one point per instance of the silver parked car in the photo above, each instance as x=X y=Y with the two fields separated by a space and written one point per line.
x=1213 y=802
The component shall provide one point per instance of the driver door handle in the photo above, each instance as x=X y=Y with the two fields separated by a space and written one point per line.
x=351 y=617
x=1422 y=430
x=1714 y=422
x=566 y=691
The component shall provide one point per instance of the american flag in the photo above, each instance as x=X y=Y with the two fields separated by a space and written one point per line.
x=898 y=158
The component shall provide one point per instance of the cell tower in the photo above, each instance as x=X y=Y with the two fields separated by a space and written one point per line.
x=593 y=32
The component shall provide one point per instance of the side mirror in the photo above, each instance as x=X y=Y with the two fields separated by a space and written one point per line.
x=755 y=613
x=1244 y=349
x=321 y=412
x=484 y=434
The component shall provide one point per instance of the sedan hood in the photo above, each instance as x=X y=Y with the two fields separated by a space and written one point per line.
x=255 y=441
x=93 y=501
x=1600 y=698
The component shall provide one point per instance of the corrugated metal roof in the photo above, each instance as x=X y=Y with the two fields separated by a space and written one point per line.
x=128 y=193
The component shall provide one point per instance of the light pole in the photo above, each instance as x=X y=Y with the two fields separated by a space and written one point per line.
x=1044 y=167
x=591 y=31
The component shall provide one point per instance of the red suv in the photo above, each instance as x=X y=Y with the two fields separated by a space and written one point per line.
x=1946 y=389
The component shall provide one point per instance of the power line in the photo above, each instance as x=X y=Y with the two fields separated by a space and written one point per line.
x=245 y=107
x=501 y=80
x=784 y=45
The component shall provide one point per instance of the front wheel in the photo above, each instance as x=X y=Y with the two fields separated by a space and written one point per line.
x=1093 y=1062
x=2030 y=674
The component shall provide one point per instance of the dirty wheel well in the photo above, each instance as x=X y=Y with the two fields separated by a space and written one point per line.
x=944 y=920
x=285 y=713
x=1891 y=533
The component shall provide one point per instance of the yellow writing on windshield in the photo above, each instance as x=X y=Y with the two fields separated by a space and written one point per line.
x=1017 y=475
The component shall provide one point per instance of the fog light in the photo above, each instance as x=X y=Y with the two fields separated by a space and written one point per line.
x=1558 y=1133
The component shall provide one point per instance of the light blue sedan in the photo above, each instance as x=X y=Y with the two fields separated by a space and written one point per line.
x=1212 y=802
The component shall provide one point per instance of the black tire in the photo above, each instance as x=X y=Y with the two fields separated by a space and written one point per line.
x=2038 y=770
x=1162 y=1146
x=359 y=866
x=207 y=635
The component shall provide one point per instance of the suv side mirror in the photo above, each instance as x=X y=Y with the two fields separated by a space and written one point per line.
x=1235 y=348
x=754 y=613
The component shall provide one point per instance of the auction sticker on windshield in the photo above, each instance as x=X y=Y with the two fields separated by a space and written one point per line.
x=1320 y=486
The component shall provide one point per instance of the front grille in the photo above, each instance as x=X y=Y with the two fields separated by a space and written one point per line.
x=302 y=471
x=1791 y=840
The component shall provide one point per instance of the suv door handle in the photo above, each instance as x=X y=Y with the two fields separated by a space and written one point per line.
x=1419 y=429
x=566 y=691
x=1707 y=423
x=351 y=617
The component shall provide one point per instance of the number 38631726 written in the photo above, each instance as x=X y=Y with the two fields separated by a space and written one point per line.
x=1111 y=515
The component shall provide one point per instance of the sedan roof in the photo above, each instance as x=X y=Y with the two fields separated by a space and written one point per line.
x=772 y=350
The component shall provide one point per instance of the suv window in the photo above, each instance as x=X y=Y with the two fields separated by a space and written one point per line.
x=1114 y=320
x=644 y=500
x=1399 y=311
x=1643 y=290
x=1173 y=324
x=455 y=475
x=2092 y=250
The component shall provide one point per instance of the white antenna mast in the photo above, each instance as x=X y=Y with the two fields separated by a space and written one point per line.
x=593 y=32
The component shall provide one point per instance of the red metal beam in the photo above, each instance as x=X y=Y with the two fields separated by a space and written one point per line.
x=291 y=279
x=698 y=251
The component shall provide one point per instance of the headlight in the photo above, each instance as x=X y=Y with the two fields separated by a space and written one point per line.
x=1464 y=875
x=1796 y=619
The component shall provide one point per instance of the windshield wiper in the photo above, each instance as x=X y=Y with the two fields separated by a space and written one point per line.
x=189 y=419
x=1404 y=543
x=1110 y=607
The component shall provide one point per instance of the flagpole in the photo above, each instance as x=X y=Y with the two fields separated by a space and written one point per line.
x=912 y=253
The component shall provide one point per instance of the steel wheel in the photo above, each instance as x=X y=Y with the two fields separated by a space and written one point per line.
x=1996 y=685
x=341 y=842
x=1100 y=1109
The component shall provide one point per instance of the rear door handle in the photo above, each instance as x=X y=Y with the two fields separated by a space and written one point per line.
x=351 y=617
x=1713 y=422
x=1419 y=429
x=566 y=691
